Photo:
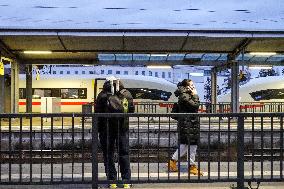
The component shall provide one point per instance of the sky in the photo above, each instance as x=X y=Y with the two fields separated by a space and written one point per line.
x=143 y=14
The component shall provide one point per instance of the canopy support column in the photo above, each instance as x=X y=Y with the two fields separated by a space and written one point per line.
x=29 y=88
x=213 y=90
x=235 y=87
x=15 y=87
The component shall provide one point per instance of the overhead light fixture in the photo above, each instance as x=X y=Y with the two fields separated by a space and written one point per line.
x=263 y=53
x=201 y=74
x=37 y=52
x=260 y=67
x=159 y=67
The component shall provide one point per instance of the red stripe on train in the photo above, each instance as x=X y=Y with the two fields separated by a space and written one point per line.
x=62 y=103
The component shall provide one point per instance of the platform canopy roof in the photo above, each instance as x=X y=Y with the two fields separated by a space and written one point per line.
x=183 y=31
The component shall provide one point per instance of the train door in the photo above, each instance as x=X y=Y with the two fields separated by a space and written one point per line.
x=98 y=86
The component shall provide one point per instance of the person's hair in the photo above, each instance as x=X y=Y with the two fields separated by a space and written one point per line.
x=185 y=82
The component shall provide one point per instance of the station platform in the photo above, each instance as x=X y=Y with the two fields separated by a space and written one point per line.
x=149 y=186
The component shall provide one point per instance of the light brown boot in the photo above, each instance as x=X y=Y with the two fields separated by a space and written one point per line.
x=194 y=170
x=172 y=166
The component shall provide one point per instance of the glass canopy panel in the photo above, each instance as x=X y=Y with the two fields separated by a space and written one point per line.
x=246 y=57
x=158 y=57
x=276 y=58
x=194 y=56
x=141 y=57
x=211 y=57
x=106 y=57
x=223 y=57
x=123 y=57
x=259 y=58
x=176 y=56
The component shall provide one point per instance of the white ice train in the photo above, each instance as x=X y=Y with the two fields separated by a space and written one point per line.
x=261 y=89
x=74 y=92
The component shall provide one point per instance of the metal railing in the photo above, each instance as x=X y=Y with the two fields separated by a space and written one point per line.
x=65 y=148
x=221 y=107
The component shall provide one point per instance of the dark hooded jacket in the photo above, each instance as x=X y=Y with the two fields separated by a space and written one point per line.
x=101 y=104
x=188 y=126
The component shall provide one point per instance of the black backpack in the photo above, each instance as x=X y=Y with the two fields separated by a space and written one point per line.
x=117 y=103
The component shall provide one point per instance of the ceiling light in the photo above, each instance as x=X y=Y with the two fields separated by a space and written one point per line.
x=260 y=67
x=159 y=67
x=197 y=74
x=37 y=52
x=263 y=53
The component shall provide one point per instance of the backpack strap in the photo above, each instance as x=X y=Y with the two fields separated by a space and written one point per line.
x=124 y=100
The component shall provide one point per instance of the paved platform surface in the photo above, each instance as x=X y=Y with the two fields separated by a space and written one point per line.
x=151 y=186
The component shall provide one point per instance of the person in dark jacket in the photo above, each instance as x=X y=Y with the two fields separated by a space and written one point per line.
x=188 y=127
x=114 y=131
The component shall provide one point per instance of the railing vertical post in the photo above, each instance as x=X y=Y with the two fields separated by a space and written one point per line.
x=95 y=152
x=240 y=151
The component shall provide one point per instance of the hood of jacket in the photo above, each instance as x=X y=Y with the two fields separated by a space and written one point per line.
x=107 y=86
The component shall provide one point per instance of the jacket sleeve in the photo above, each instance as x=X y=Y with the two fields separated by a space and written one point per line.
x=100 y=103
x=131 y=104
x=189 y=101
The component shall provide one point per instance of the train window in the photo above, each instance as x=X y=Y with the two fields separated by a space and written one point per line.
x=38 y=93
x=61 y=72
x=69 y=94
x=150 y=73
x=68 y=72
x=91 y=72
x=102 y=72
x=117 y=72
x=268 y=94
x=207 y=72
x=82 y=93
x=153 y=94
x=143 y=72
x=125 y=72
x=169 y=75
x=136 y=73
x=156 y=74
x=22 y=93
x=109 y=72
x=83 y=72
x=54 y=72
x=55 y=93
x=76 y=72
x=163 y=75
x=79 y=93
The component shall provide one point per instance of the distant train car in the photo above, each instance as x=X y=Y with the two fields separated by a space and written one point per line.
x=262 y=89
x=74 y=92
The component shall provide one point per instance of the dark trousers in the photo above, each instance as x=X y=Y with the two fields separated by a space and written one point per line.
x=110 y=138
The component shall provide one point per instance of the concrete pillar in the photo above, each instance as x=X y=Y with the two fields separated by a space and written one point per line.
x=2 y=87
x=29 y=88
x=213 y=90
x=15 y=87
x=2 y=93
x=235 y=87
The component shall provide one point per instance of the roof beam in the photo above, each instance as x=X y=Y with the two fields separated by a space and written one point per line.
x=220 y=64
x=163 y=51
x=61 y=42
x=6 y=51
x=142 y=32
x=238 y=49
